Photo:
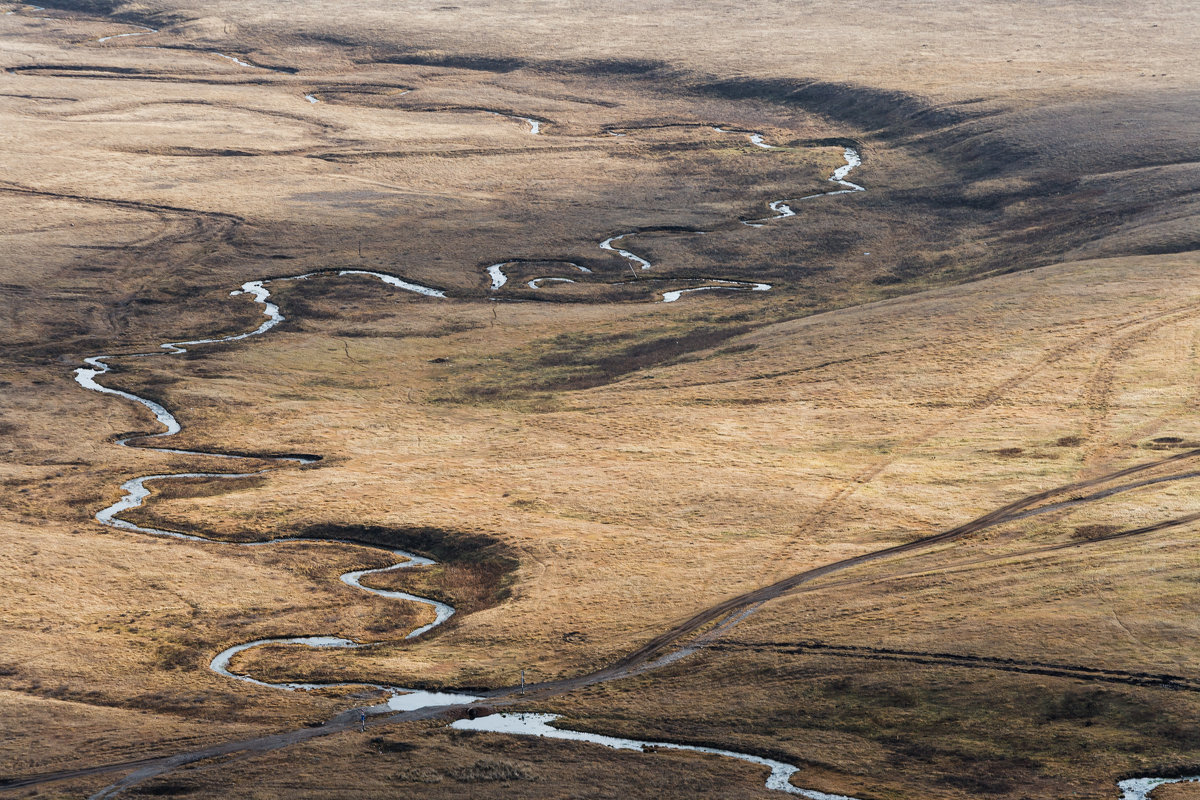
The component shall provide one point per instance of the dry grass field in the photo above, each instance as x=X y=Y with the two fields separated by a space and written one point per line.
x=998 y=340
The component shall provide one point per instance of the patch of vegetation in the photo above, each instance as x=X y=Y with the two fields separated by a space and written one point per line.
x=492 y=769
x=165 y=788
x=474 y=571
x=574 y=361
x=981 y=733
x=1088 y=532
x=382 y=744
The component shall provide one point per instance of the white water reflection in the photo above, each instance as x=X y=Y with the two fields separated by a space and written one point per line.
x=1140 y=788
x=634 y=258
x=782 y=208
x=733 y=286
x=536 y=283
x=779 y=778
x=237 y=60
x=496 y=271
x=143 y=32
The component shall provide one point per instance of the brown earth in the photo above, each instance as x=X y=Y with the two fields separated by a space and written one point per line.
x=1008 y=310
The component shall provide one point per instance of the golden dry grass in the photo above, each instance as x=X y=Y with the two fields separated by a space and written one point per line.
x=593 y=471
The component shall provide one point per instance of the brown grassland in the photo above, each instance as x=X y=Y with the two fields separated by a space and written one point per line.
x=1012 y=306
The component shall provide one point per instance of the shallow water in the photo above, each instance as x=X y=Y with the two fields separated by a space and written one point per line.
x=237 y=60
x=536 y=283
x=729 y=286
x=496 y=271
x=399 y=283
x=779 y=778
x=607 y=244
x=535 y=126
x=782 y=208
x=421 y=699
x=1140 y=788
x=144 y=32
x=442 y=612
x=136 y=490
x=87 y=379
x=756 y=139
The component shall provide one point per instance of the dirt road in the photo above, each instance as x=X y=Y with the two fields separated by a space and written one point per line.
x=639 y=661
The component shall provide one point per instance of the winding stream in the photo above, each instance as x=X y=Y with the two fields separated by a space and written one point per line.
x=539 y=725
x=136 y=491
x=143 y=32
x=535 y=126
x=536 y=283
x=496 y=271
x=237 y=60
x=1140 y=788
x=735 y=286
x=401 y=699
x=632 y=258
x=782 y=208
x=756 y=138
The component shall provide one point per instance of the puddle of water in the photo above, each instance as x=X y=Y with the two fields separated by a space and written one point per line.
x=418 y=699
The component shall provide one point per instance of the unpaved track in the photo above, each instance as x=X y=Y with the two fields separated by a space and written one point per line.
x=130 y=204
x=1082 y=673
x=786 y=585
x=640 y=660
x=1135 y=329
